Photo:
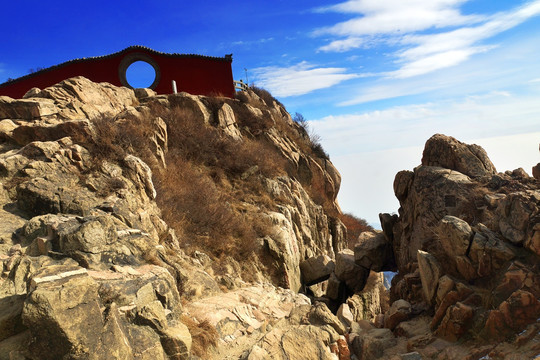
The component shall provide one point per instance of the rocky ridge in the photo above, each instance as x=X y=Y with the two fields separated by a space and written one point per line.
x=104 y=257
x=91 y=268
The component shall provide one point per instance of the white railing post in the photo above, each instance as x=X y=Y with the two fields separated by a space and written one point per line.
x=174 y=87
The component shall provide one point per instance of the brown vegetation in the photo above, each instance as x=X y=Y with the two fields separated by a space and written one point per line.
x=355 y=226
x=208 y=176
x=212 y=190
x=203 y=335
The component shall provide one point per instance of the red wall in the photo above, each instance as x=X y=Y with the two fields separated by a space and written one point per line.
x=198 y=75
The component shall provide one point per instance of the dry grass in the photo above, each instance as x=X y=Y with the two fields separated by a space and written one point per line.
x=115 y=139
x=211 y=191
x=203 y=336
x=355 y=226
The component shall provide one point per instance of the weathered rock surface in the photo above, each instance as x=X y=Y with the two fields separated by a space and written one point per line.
x=449 y=153
x=465 y=247
x=90 y=269
x=316 y=269
x=349 y=272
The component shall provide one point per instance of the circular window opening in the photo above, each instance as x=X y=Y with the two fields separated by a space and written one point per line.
x=140 y=74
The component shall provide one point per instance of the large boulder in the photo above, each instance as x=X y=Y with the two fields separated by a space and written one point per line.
x=316 y=269
x=374 y=251
x=353 y=275
x=373 y=343
x=78 y=97
x=447 y=152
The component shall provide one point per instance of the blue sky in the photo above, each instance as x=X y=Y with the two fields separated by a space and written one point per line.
x=375 y=77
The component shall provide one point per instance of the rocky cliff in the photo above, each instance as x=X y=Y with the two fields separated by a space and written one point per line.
x=466 y=248
x=128 y=219
x=138 y=226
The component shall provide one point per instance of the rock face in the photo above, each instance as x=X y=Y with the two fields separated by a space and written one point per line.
x=464 y=246
x=449 y=153
x=92 y=265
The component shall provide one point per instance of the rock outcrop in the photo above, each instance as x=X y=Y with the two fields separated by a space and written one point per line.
x=464 y=246
x=94 y=252
x=144 y=226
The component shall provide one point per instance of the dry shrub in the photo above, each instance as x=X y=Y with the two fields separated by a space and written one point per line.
x=203 y=335
x=355 y=226
x=202 y=144
x=242 y=97
x=265 y=96
x=201 y=213
x=114 y=139
x=246 y=119
x=110 y=185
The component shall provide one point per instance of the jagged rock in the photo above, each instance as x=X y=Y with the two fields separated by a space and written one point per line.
x=447 y=152
x=283 y=246
x=335 y=288
x=64 y=199
x=142 y=93
x=226 y=120
x=433 y=193
x=321 y=315
x=517 y=212
x=455 y=322
x=316 y=269
x=399 y=311
x=373 y=251
x=402 y=184
x=10 y=316
x=352 y=275
x=536 y=171
x=370 y=302
x=66 y=309
x=345 y=315
x=514 y=314
x=27 y=133
x=95 y=241
x=142 y=174
x=15 y=347
x=430 y=272
x=255 y=305
x=301 y=342
x=533 y=242
x=26 y=109
x=373 y=343
x=488 y=251
x=191 y=103
x=79 y=97
x=446 y=284
x=417 y=326
x=454 y=235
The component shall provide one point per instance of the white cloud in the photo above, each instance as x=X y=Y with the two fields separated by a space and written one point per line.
x=398 y=22
x=508 y=66
x=396 y=16
x=251 y=42
x=299 y=79
x=436 y=61
x=343 y=45
x=487 y=115
x=440 y=50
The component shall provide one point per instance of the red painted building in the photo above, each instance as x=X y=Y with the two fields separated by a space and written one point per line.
x=195 y=74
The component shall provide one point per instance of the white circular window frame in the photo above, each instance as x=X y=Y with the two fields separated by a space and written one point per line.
x=132 y=58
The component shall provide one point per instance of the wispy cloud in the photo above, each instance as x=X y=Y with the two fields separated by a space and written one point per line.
x=252 y=42
x=489 y=114
x=343 y=45
x=299 y=79
x=398 y=23
x=396 y=16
